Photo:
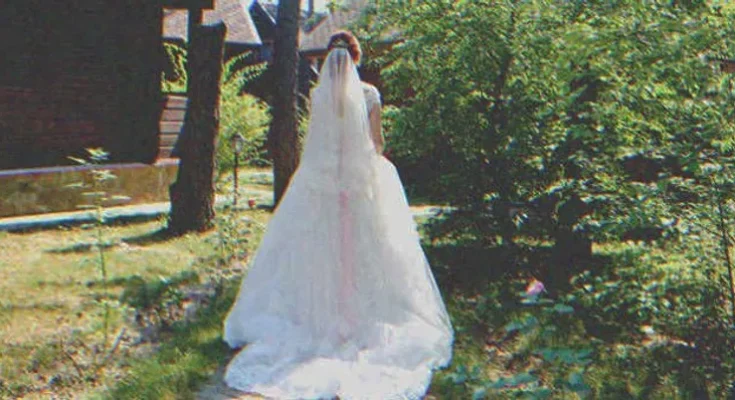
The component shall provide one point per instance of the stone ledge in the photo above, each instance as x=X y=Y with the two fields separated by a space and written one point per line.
x=46 y=190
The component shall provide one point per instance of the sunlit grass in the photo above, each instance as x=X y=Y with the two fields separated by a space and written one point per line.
x=50 y=286
x=190 y=356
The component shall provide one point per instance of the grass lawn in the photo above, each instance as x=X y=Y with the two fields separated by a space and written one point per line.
x=52 y=330
x=52 y=333
x=51 y=317
x=53 y=339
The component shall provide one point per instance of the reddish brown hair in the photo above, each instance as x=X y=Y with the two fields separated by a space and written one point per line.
x=348 y=40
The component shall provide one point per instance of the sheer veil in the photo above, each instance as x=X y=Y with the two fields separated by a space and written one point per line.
x=338 y=146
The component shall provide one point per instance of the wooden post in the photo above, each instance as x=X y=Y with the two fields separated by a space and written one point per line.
x=283 y=132
x=195 y=18
x=192 y=195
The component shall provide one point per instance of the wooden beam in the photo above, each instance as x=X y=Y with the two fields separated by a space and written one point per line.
x=196 y=18
x=189 y=4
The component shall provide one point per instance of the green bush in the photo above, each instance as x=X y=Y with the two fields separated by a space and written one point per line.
x=239 y=112
x=579 y=113
x=244 y=114
x=665 y=307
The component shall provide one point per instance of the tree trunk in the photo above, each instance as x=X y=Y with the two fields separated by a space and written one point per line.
x=192 y=195
x=283 y=132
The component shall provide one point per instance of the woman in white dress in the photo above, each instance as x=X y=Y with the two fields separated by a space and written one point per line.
x=339 y=300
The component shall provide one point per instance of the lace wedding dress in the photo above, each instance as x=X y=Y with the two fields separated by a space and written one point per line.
x=339 y=300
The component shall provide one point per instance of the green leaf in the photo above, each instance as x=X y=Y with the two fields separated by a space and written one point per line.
x=563 y=309
x=542 y=393
x=575 y=379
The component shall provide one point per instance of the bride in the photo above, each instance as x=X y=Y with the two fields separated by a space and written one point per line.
x=339 y=300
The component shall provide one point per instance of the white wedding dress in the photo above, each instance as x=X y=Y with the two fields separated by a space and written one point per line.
x=339 y=300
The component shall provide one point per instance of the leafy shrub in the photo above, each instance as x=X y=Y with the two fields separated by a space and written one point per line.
x=244 y=114
x=663 y=312
x=541 y=106
x=239 y=112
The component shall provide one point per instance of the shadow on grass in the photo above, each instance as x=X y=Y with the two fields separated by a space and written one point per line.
x=81 y=248
x=157 y=236
x=466 y=268
x=113 y=220
x=53 y=306
x=469 y=268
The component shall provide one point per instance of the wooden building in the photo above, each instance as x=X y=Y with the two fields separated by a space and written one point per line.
x=241 y=36
x=82 y=73
x=313 y=45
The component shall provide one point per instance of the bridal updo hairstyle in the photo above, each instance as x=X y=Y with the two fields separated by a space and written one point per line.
x=347 y=40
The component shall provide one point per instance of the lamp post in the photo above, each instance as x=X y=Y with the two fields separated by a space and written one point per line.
x=237 y=141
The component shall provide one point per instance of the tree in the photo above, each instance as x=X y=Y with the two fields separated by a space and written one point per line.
x=579 y=121
x=547 y=109
x=192 y=195
x=283 y=133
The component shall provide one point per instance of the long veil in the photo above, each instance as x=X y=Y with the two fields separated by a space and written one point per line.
x=338 y=148
x=339 y=299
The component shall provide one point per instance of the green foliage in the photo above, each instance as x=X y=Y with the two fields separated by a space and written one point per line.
x=669 y=316
x=556 y=107
x=174 y=77
x=565 y=122
x=547 y=333
x=241 y=113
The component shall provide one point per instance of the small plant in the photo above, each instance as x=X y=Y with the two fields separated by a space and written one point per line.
x=97 y=198
x=231 y=237
x=233 y=232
